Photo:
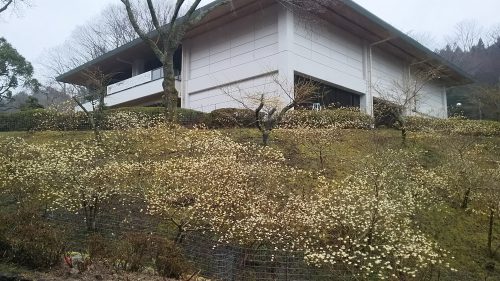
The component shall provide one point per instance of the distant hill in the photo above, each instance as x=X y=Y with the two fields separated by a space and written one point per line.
x=481 y=100
x=45 y=97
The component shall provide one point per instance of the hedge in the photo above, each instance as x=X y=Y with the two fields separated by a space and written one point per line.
x=230 y=118
x=41 y=119
x=184 y=116
x=345 y=118
x=457 y=126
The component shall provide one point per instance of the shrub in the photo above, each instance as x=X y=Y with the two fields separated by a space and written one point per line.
x=29 y=241
x=186 y=117
x=43 y=120
x=230 y=118
x=132 y=252
x=4 y=243
x=458 y=126
x=345 y=118
x=169 y=260
x=136 y=250
x=385 y=113
x=98 y=247
x=37 y=246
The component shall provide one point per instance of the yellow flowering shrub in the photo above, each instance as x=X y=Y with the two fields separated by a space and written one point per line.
x=202 y=180
x=345 y=118
x=457 y=126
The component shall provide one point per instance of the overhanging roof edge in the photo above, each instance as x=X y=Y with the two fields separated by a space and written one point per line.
x=397 y=33
x=122 y=48
x=351 y=4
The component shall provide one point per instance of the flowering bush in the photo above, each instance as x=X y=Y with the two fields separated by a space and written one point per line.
x=69 y=120
x=76 y=175
x=246 y=194
x=345 y=118
x=457 y=126
x=201 y=180
x=366 y=221
x=231 y=118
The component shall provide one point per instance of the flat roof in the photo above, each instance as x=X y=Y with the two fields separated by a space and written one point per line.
x=347 y=14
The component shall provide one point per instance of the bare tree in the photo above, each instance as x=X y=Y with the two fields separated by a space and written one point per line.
x=4 y=4
x=96 y=83
x=268 y=109
x=401 y=98
x=467 y=34
x=424 y=38
x=167 y=39
x=110 y=30
x=486 y=100
x=493 y=34
x=116 y=26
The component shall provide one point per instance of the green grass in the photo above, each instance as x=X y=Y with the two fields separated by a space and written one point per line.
x=12 y=269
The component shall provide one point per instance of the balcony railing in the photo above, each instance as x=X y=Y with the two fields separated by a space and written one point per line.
x=138 y=80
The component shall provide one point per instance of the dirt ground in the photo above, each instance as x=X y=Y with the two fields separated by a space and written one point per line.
x=93 y=274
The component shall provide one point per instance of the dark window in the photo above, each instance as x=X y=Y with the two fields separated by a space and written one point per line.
x=331 y=96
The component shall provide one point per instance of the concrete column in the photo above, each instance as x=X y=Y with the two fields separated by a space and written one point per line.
x=366 y=102
x=285 y=34
x=186 y=54
x=445 y=103
x=138 y=67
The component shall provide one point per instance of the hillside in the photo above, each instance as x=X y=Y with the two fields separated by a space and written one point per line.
x=337 y=154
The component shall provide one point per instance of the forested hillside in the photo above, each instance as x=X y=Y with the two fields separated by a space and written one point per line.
x=478 y=54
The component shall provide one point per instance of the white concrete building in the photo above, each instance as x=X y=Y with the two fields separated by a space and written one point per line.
x=242 y=47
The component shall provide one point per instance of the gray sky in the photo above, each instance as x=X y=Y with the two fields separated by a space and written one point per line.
x=49 y=22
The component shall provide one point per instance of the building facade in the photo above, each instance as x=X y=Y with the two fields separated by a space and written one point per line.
x=243 y=49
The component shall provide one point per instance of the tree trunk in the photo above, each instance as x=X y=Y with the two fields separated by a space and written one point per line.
x=490 y=232
x=265 y=137
x=91 y=219
x=465 y=201
x=169 y=92
x=179 y=237
x=402 y=127
x=403 y=134
x=321 y=160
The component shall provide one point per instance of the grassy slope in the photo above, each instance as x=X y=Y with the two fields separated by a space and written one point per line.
x=462 y=233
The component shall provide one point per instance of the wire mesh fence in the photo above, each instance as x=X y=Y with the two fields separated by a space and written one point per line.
x=230 y=263
x=210 y=258
x=222 y=261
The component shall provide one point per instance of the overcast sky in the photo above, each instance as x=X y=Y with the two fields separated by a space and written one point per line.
x=49 y=22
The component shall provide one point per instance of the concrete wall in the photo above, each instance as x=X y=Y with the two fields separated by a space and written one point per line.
x=431 y=101
x=386 y=70
x=240 y=55
x=326 y=52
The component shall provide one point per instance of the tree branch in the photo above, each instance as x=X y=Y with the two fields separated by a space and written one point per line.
x=130 y=13
x=154 y=17
x=2 y=9
x=175 y=15
x=257 y=113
